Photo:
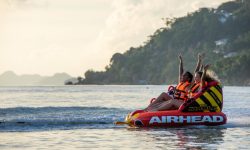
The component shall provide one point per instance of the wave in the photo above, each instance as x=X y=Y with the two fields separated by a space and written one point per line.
x=46 y=118
x=30 y=118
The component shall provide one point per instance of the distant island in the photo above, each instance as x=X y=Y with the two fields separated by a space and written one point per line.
x=222 y=34
x=9 y=78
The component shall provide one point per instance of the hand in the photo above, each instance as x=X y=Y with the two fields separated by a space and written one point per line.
x=206 y=66
x=180 y=57
x=200 y=56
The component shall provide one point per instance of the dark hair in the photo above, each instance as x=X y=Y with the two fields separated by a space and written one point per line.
x=190 y=76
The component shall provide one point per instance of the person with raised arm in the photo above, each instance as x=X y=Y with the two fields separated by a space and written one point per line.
x=180 y=94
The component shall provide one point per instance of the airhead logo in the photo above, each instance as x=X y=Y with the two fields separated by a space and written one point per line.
x=187 y=119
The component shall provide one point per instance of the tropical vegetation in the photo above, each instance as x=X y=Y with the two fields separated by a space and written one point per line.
x=222 y=34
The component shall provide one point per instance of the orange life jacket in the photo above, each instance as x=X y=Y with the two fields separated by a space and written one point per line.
x=195 y=89
x=181 y=91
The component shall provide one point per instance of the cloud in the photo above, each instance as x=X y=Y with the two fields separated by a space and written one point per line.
x=49 y=36
x=131 y=22
x=43 y=36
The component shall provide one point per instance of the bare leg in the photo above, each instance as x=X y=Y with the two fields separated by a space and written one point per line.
x=168 y=105
x=160 y=99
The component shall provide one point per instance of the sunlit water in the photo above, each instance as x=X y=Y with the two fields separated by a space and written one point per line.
x=81 y=117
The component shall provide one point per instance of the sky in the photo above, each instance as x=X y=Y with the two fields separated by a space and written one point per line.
x=72 y=36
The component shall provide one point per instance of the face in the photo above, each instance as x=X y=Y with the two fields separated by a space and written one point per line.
x=184 y=77
x=197 y=78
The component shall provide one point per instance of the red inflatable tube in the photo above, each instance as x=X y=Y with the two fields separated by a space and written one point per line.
x=174 y=118
x=203 y=109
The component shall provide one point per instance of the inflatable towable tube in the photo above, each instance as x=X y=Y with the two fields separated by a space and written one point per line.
x=203 y=109
x=174 y=118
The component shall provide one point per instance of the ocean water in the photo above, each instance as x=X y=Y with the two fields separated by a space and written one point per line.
x=81 y=117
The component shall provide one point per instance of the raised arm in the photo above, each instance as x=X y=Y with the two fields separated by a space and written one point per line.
x=180 y=68
x=202 y=67
x=203 y=76
x=198 y=65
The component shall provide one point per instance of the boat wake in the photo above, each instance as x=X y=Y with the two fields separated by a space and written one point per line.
x=49 y=118
x=44 y=118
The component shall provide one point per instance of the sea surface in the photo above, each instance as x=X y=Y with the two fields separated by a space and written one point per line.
x=81 y=117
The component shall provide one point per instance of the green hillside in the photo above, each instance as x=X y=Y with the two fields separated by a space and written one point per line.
x=223 y=34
